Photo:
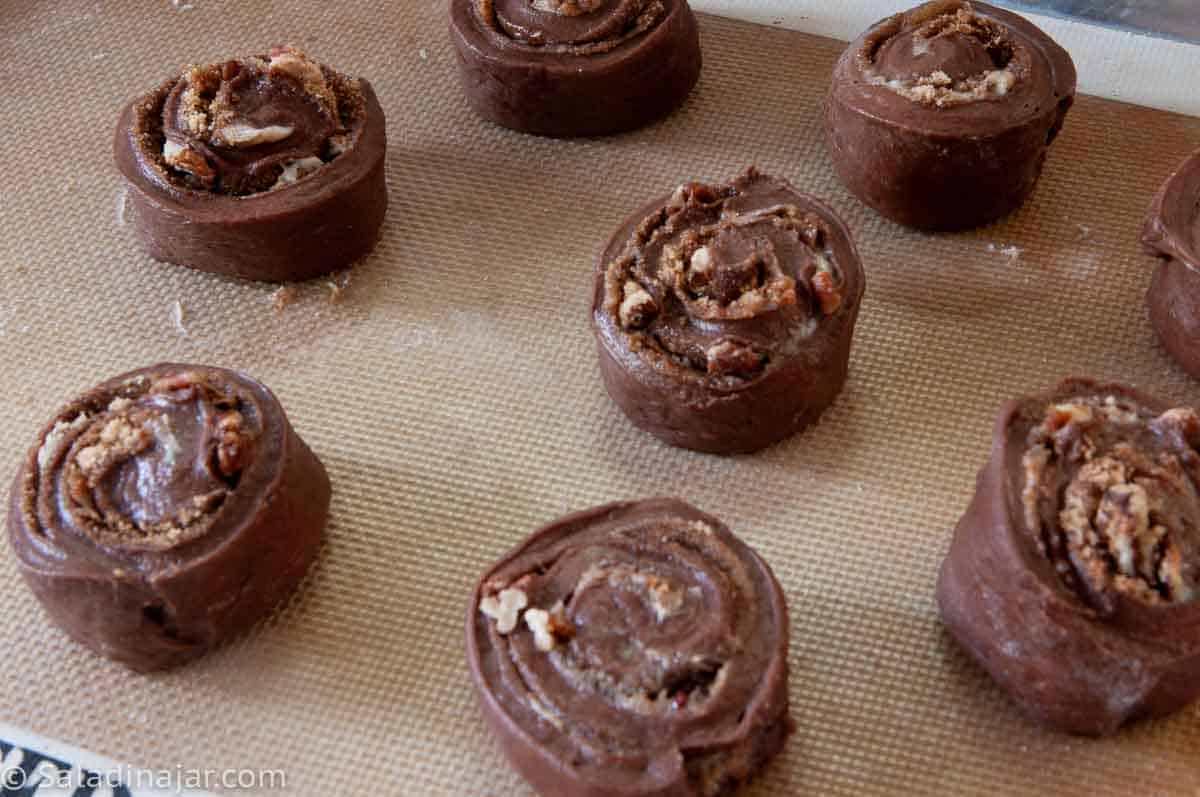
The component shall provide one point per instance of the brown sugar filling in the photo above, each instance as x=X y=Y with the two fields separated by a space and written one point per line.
x=1110 y=494
x=248 y=126
x=713 y=260
x=944 y=55
x=153 y=466
x=574 y=27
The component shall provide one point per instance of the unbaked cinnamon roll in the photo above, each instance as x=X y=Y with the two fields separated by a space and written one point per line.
x=632 y=649
x=166 y=510
x=941 y=117
x=575 y=67
x=269 y=167
x=724 y=314
x=1172 y=233
x=1073 y=575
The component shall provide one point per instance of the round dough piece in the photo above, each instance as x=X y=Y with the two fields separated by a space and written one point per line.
x=1172 y=233
x=941 y=117
x=634 y=649
x=1073 y=576
x=723 y=314
x=166 y=510
x=269 y=168
x=575 y=67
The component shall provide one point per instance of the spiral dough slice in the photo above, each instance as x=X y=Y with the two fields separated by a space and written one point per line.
x=1073 y=575
x=632 y=649
x=1171 y=232
x=575 y=67
x=724 y=314
x=268 y=167
x=941 y=117
x=166 y=510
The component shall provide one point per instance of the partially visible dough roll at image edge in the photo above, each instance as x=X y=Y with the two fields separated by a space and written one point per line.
x=575 y=67
x=1171 y=232
x=1074 y=574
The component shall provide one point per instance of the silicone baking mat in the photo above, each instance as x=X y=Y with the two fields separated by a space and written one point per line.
x=452 y=392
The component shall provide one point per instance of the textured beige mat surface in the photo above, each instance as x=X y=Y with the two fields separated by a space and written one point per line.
x=454 y=397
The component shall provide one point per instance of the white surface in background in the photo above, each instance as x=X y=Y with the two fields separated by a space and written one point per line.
x=1158 y=73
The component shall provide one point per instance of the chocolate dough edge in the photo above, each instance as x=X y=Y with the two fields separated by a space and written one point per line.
x=1004 y=605
x=570 y=96
x=1173 y=299
x=772 y=409
x=943 y=182
x=553 y=777
x=321 y=224
x=106 y=613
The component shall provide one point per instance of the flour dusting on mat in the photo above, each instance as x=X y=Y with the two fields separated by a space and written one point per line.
x=1011 y=252
x=122 y=198
x=282 y=297
x=177 y=316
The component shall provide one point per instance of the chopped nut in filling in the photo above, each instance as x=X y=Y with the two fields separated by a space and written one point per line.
x=549 y=627
x=637 y=306
x=568 y=8
x=1110 y=493
x=825 y=288
x=731 y=358
x=256 y=124
x=505 y=608
x=940 y=90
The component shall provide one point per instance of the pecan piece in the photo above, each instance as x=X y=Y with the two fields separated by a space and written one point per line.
x=188 y=160
x=568 y=8
x=505 y=608
x=173 y=382
x=638 y=306
x=549 y=628
x=828 y=294
x=727 y=358
x=233 y=450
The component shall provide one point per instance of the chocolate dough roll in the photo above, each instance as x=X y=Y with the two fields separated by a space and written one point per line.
x=268 y=167
x=632 y=649
x=575 y=67
x=165 y=511
x=1172 y=232
x=1073 y=575
x=723 y=314
x=941 y=117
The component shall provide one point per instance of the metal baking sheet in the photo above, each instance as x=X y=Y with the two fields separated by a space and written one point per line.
x=1177 y=19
